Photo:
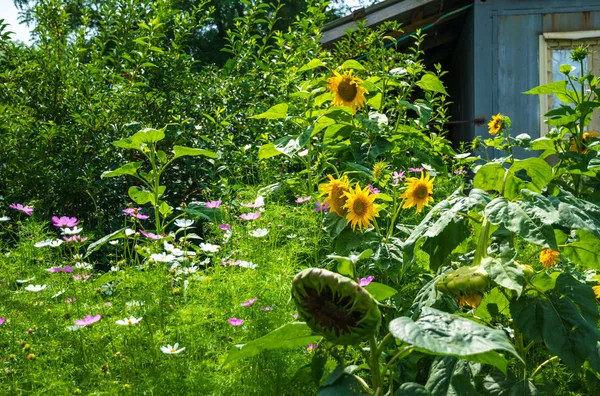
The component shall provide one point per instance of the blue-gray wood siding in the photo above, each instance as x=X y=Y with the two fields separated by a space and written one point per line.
x=506 y=55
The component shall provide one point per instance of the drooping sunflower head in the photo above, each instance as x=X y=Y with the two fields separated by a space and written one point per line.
x=495 y=125
x=418 y=192
x=335 y=190
x=361 y=207
x=549 y=257
x=335 y=306
x=589 y=136
x=466 y=284
x=347 y=90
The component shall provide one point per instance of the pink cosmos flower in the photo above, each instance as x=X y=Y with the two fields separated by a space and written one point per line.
x=28 y=210
x=225 y=227
x=151 y=235
x=74 y=239
x=70 y=300
x=135 y=212
x=213 y=204
x=311 y=347
x=88 y=320
x=266 y=308
x=54 y=269
x=81 y=276
x=108 y=304
x=460 y=172
x=398 y=177
x=373 y=190
x=2 y=320
x=235 y=321
x=68 y=269
x=365 y=281
x=250 y=216
x=249 y=302
x=295 y=316
x=302 y=200
x=64 y=221
x=321 y=207
x=415 y=169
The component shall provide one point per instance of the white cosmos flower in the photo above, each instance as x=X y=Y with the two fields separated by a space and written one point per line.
x=259 y=232
x=20 y=281
x=114 y=242
x=4 y=218
x=246 y=264
x=35 y=288
x=184 y=223
x=227 y=235
x=135 y=303
x=71 y=231
x=59 y=293
x=84 y=265
x=172 y=350
x=132 y=321
x=49 y=242
x=129 y=232
x=191 y=270
x=114 y=268
x=162 y=257
x=209 y=247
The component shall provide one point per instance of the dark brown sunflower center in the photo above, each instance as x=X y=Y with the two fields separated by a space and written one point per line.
x=347 y=90
x=421 y=192
x=331 y=312
x=359 y=207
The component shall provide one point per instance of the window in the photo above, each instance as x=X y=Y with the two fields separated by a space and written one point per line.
x=554 y=51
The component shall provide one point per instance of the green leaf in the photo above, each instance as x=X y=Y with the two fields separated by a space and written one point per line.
x=380 y=292
x=127 y=169
x=428 y=296
x=146 y=136
x=489 y=177
x=139 y=196
x=313 y=64
x=440 y=333
x=388 y=255
x=585 y=251
x=164 y=208
x=443 y=228
x=430 y=82
x=564 y=318
x=576 y=213
x=519 y=219
x=181 y=151
x=412 y=389
x=199 y=210
x=352 y=64
x=274 y=113
x=333 y=224
x=291 y=335
x=493 y=304
x=97 y=244
x=505 y=274
x=345 y=385
x=537 y=171
x=375 y=101
x=524 y=388
x=267 y=151
x=551 y=88
x=450 y=376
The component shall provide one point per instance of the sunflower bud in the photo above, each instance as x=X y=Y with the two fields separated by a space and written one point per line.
x=335 y=306
x=466 y=284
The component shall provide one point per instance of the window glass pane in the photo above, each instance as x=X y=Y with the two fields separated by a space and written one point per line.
x=561 y=57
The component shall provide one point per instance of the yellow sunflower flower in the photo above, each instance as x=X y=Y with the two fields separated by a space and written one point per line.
x=335 y=190
x=495 y=125
x=596 y=290
x=347 y=90
x=361 y=207
x=549 y=257
x=418 y=192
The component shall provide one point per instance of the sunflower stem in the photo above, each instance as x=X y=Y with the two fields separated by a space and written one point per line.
x=375 y=371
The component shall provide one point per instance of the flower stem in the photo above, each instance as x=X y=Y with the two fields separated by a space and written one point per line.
x=375 y=371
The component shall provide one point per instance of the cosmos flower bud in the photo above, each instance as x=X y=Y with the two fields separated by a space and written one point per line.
x=335 y=306
x=466 y=284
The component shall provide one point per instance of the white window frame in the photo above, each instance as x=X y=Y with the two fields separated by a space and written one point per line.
x=565 y=40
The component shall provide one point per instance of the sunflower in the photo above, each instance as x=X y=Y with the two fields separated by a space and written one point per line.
x=335 y=190
x=588 y=137
x=418 y=192
x=495 y=125
x=596 y=290
x=347 y=90
x=549 y=257
x=361 y=208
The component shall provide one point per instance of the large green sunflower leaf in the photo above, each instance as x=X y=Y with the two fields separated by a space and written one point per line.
x=450 y=376
x=181 y=151
x=430 y=82
x=564 y=318
x=127 y=169
x=585 y=251
x=441 y=333
x=520 y=218
x=504 y=273
x=274 y=113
